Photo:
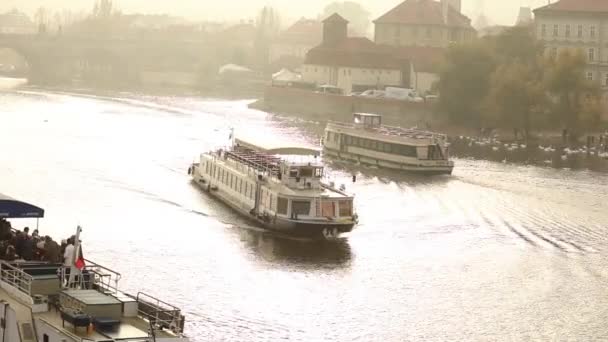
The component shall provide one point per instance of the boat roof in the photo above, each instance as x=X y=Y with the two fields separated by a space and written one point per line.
x=274 y=148
x=368 y=115
x=13 y=208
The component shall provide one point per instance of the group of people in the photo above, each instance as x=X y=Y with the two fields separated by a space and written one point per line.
x=21 y=245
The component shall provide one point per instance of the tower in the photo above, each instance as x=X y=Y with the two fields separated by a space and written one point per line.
x=335 y=29
x=524 y=17
x=457 y=5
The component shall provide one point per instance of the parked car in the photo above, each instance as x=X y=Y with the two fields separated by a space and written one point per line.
x=374 y=93
x=405 y=94
x=329 y=89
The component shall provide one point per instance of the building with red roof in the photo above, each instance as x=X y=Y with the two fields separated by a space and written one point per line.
x=357 y=63
x=424 y=23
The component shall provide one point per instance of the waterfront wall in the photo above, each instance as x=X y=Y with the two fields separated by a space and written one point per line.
x=306 y=103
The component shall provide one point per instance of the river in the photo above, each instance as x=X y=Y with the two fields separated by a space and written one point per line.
x=497 y=251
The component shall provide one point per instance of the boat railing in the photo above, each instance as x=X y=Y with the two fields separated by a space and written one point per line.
x=160 y=314
x=253 y=162
x=92 y=276
x=16 y=277
x=105 y=279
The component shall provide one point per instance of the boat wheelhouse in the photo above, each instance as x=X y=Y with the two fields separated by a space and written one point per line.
x=368 y=141
x=46 y=301
x=281 y=188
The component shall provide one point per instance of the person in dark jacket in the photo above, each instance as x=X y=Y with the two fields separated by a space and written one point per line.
x=51 y=250
x=28 y=249
x=19 y=242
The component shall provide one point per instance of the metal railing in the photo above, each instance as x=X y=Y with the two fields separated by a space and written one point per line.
x=161 y=315
x=105 y=279
x=16 y=277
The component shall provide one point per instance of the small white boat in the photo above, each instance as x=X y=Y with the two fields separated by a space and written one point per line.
x=48 y=302
x=283 y=195
x=368 y=141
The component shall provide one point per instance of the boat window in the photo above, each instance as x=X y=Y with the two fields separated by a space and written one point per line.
x=328 y=136
x=240 y=186
x=306 y=172
x=408 y=151
x=300 y=207
x=319 y=172
x=346 y=208
x=349 y=140
x=387 y=148
x=336 y=137
x=231 y=180
x=373 y=145
x=328 y=209
x=293 y=173
x=282 y=206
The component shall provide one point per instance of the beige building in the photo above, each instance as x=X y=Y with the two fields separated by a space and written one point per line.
x=427 y=23
x=353 y=63
x=295 y=42
x=578 y=24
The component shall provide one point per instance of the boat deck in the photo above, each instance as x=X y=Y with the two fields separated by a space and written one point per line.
x=393 y=131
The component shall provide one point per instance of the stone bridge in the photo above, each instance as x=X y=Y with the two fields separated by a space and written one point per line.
x=65 y=58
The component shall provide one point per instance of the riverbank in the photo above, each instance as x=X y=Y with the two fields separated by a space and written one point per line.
x=545 y=149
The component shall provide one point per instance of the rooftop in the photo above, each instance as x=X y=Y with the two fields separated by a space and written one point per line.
x=423 y=12
x=303 y=31
x=576 y=6
x=357 y=52
x=335 y=18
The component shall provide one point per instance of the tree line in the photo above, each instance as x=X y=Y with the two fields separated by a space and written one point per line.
x=509 y=81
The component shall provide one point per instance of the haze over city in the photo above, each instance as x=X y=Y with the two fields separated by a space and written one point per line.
x=498 y=11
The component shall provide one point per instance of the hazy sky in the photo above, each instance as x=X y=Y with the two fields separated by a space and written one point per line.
x=499 y=11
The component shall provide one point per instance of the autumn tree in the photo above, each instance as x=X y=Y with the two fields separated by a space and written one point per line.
x=464 y=82
x=516 y=98
x=268 y=25
x=575 y=99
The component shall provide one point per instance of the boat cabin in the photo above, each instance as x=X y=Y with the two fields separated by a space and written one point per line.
x=301 y=176
x=367 y=120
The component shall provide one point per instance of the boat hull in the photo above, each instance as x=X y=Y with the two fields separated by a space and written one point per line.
x=315 y=229
x=445 y=169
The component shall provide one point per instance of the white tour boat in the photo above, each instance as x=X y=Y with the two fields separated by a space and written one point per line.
x=48 y=302
x=283 y=195
x=368 y=141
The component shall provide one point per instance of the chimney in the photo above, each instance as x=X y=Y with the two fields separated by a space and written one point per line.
x=457 y=5
x=445 y=7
